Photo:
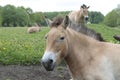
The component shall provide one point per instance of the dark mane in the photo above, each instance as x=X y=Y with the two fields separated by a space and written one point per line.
x=57 y=21
x=83 y=5
x=87 y=31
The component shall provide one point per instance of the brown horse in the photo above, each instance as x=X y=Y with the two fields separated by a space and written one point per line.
x=34 y=29
x=87 y=58
x=80 y=16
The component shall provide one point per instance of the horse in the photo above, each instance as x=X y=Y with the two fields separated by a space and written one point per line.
x=34 y=29
x=80 y=16
x=87 y=58
x=77 y=27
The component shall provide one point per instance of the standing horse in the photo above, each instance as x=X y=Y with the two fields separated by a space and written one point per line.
x=87 y=58
x=80 y=16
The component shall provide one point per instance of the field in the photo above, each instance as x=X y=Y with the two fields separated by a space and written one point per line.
x=19 y=47
x=20 y=53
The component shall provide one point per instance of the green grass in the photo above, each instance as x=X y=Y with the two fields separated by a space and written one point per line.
x=106 y=32
x=19 y=47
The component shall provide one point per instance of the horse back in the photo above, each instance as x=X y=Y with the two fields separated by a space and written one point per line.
x=112 y=53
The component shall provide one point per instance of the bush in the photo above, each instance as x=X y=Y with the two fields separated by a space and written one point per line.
x=112 y=19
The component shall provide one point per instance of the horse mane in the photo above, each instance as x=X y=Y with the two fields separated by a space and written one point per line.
x=117 y=37
x=85 y=30
x=83 y=6
x=57 y=21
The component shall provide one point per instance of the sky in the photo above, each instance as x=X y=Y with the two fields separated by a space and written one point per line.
x=103 y=6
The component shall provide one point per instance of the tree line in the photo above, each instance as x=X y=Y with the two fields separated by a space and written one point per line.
x=11 y=16
x=112 y=19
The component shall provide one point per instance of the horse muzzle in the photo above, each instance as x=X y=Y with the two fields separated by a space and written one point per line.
x=49 y=60
x=48 y=65
x=86 y=18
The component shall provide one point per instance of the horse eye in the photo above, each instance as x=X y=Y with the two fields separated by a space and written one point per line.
x=45 y=37
x=62 y=38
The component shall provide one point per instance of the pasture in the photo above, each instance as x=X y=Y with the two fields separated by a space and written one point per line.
x=19 y=47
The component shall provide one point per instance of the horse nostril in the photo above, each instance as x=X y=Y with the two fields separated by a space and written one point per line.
x=50 y=61
x=86 y=18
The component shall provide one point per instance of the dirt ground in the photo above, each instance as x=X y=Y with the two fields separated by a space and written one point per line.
x=34 y=72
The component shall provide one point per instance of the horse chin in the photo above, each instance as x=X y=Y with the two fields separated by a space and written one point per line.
x=49 y=67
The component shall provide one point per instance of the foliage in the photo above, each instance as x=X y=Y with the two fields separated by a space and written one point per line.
x=13 y=16
x=8 y=15
x=0 y=16
x=96 y=17
x=112 y=19
x=51 y=15
x=39 y=18
x=20 y=16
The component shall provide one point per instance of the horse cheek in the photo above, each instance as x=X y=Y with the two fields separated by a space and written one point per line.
x=63 y=51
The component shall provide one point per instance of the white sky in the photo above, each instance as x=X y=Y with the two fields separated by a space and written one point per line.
x=104 y=6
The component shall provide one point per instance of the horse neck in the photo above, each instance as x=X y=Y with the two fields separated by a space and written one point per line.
x=79 y=47
x=80 y=17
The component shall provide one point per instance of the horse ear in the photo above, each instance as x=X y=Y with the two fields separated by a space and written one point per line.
x=88 y=7
x=66 y=22
x=48 y=21
x=81 y=7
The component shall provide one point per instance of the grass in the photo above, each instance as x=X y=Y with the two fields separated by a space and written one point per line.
x=19 y=47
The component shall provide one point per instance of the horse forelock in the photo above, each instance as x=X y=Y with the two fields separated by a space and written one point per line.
x=83 y=6
x=57 y=21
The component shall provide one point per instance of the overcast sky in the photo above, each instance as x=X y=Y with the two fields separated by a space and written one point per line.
x=104 y=6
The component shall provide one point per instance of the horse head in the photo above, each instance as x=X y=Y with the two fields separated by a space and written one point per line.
x=84 y=11
x=57 y=46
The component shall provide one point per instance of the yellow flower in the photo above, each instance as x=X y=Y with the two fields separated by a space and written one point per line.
x=4 y=48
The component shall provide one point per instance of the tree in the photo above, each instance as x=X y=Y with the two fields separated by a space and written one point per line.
x=1 y=16
x=22 y=17
x=39 y=18
x=8 y=15
x=111 y=19
x=96 y=17
x=30 y=13
x=118 y=12
x=13 y=16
